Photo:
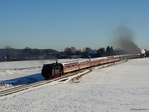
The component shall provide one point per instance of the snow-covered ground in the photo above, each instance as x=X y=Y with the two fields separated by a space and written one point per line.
x=119 y=88
x=20 y=72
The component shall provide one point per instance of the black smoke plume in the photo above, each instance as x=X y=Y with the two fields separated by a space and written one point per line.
x=125 y=40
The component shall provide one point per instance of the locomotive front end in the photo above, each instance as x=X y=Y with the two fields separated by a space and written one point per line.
x=50 y=71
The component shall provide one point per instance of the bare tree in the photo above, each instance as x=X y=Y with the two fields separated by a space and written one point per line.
x=68 y=51
x=101 y=52
x=36 y=54
x=10 y=53
x=86 y=49
x=73 y=50
x=78 y=52
x=27 y=53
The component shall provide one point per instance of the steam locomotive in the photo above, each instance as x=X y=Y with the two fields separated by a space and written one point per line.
x=54 y=70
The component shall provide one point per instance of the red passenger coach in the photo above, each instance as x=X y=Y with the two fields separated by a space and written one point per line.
x=111 y=59
x=103 y=60
x=70 y=66
x=85 y=63
x=116 y=58
x=53 y=70
x=94 y=61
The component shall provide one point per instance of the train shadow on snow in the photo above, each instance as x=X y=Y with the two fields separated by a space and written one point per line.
x=24 y=80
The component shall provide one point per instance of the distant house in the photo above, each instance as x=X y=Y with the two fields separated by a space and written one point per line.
x=50 y=54
x=62 y=55
x=147 y=53
x=93 y=53
x=76 y=56
x=2 y=57
x=22 y=54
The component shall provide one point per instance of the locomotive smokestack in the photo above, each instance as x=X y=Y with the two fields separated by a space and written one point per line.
x=124 y=40
x=56 y=61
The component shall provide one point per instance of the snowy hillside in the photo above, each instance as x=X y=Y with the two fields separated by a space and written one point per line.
x=119 y=88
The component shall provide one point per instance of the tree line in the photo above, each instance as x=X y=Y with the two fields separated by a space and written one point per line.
x=101 y=52
x=69 y=52
x=26 y=53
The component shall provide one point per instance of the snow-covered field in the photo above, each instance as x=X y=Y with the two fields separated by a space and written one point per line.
x=20 y=72
x=119 y=88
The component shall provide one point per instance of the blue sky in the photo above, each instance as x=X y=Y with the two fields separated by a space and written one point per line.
x=58 y=24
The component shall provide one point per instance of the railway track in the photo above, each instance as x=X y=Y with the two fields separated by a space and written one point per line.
x=18 y=88
x=70 y=76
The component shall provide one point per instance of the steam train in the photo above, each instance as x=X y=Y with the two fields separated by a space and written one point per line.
x=54 y=70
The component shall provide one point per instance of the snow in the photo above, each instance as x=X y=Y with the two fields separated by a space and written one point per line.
x=21 y=72
x=31 y=63
x=120 y=88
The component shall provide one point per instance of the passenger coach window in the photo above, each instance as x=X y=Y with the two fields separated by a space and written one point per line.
x=68 y=66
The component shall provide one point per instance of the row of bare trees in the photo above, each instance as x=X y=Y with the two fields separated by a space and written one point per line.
x=70 y=51
x=28 y=53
